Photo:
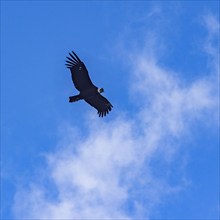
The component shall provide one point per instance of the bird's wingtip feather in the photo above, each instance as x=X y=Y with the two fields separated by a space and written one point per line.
x=72 y=60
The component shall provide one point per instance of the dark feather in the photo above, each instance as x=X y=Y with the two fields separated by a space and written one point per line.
x=76 y=57
x=79 y=72
x=70 y=60
x=99 y=102
x=73 y=58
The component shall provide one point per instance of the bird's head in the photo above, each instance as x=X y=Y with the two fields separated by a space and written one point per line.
x=100 y=90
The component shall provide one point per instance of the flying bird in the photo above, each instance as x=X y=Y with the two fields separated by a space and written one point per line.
x=87 y=90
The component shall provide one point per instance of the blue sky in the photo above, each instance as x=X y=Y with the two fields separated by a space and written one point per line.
x=155 y=156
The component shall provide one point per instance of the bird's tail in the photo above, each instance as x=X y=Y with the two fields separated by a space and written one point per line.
x=74 y=98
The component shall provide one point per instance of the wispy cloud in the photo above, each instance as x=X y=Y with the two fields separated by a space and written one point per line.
x=211 y=44
x=112 y=172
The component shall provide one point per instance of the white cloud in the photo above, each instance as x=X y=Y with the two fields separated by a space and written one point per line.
x=211 y=45
x=212 y=24
x=111 y=169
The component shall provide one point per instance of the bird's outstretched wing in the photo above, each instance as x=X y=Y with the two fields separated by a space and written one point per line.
x=100 y=103
x=80 y=76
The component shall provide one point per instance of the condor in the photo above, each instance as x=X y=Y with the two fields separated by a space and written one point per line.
x=87 y=90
